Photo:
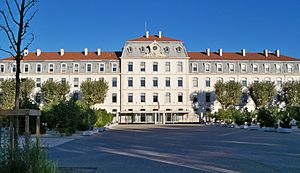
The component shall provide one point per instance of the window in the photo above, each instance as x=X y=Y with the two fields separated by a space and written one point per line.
x=178 y=49
x=278 y=68
x=267 y=68
x=155 y=66
x=290 y=79
x=143 y=66
x=130 y=82
x=14 y=68
x=143 y=81
x=207 y=97
x=155 y=97
x=231 y=68
x=195 y=98
x=180 y=82
x=38 y=82
x=255 y=68
x=63 y=68
x=89 y=79
x=142 y=49
x=155 y=82
x=114 y=67
x=195 y=82
x=289 y=68
x=63 y=80
x=219 y=79
x=101 y=67
x=26 y=68
x=279 y=82
x=219 y=67
x=179 y=67
x=75 y=68
x=38 y=98
x=38 y=68
x=114 y=98
x=243 y=67
x=244 y=82
x=114 y=82
x=255 y=80
x=129 y=49
x=207 y=82
x=167 y=67
x=130 y=97
x=207 y=67
x=76 y=82
x=89 y=67
x=2 y=68
x=195 y=67
x=232 y=79
x=168 y=81
x=168 y=97
x=180 y=97
x=130 y=66
x=51 y=68
x=267 y=79
x=167 y=49
x=143 y=97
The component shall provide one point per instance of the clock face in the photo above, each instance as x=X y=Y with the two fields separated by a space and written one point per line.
x=155 y=48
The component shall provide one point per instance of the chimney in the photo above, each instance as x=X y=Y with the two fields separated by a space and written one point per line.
x=277 y=52
x=208 y=52
x=26 y=52
x=147 y=34
x=62 y=52
x=38 y=52
x=159 y=34
x=98 y=51
x=220 y=52
x=244 y=52
x=266 y=52
x=86 y=51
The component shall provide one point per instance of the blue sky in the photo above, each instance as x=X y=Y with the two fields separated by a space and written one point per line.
x=232 y=24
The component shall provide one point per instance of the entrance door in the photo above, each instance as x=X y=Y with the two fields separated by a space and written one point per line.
x=143 y=117
x=159 y=118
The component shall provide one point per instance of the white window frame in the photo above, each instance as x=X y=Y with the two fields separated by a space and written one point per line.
x=143 y=66
x=130 y=63
x=195 y=82
x=209 y=80
x=244 y=79
x=86 y=67
x=278 y=70
x=153 y=65
x=167 y=66
x=130 y=79
x=168 y=97
x=255 y=66
x=267 y=66
x=221 y=65
x=114 y=67
x=289 y=68
x=242 y=69
x=194 y=67
x=36 y=68
x=61 y=68
x=207 y=70
x=24 y=67
x=49 y=67
x=179 y=66
x=229 y=68
x=114 y=79
x=13 y=67
x=180 y=79
x=74 y=68
x=277 y=81
x=101 y=66
x=3 y=65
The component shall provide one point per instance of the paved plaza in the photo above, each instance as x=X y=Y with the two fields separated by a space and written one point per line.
x=181 y=148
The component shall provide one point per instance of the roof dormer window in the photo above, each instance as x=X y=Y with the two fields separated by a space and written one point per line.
x=142 y=49
x=167 y=49
x=178 y=49
x=129 y=49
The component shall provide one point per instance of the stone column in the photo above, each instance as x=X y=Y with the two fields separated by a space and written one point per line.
x=164 y=118
x=155 y=118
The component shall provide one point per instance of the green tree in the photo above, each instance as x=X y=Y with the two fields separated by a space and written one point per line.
x=267 y=117
x=103 y=117
x=228 y=93
x=94 y=91
x=54 y=92
x=262 y=93
x=291 y=93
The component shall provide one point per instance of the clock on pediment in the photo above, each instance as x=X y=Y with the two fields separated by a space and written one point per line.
x=154 y=50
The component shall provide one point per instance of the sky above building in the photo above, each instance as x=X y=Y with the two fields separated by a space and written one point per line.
x=232 y=25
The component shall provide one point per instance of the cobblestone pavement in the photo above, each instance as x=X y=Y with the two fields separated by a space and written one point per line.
x=181 y=148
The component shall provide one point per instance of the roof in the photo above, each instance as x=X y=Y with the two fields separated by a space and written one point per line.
x=70 y=56
x=239 y=56
x=153 y=37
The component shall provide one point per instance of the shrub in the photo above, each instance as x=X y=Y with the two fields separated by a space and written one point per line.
x=103 y=117
x=285 y=119
x=267 y=117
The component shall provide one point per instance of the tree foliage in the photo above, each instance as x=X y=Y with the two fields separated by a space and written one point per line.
x=291 y=93
x=94 y=91
x=103 y=117
x=228 y=93
x=54 y=92
x=267 y=117
x=262 y=93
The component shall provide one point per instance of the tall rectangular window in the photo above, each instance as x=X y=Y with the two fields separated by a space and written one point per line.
x=180 y=97
x=130 y=82
x=89 y=67
x=195 y=82
x=114 y=82
x=51 y=68
x=143 y=97
x=155 y=66
x=63 y=80
x=167 y=67
x=180 y=82
x=76 y=68
x=143 y=81
x=38 y=82
x=231 y=68
x=2 y=68
x=278 y=68
x=207 y=82
x=114 y=67
x=101 y=67
x=38 y=68
x=143 y=66
x=243 y=67
x=207 y=97
x=179 y=67
x=130 y=66
x=207 y=67
x=155 y=82
x=114 y=98
x=195 y=67
x=26 y=68
x=168 y=81
x=289 y=68
x=219 y=67
x=255 y=68
x=267 y=68
x=76 y=82
x=63 y=68
x=168 y=97
x=155 y=97
x=130 y=97
x=244 y=82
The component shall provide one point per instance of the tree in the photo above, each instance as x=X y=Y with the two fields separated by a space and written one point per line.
x=54 y=92
x=103 y=117
x=262 y=93
x=94 y=91
x=291 y=93
x=228 y=93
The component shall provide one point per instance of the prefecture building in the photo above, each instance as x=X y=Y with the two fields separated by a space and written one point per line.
x=154 y=79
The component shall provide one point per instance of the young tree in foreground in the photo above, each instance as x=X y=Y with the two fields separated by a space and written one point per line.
x=228 y=93
x=262 y=93
x=94 y=91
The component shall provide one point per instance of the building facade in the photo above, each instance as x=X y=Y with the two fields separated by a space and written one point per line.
x=154 y=79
